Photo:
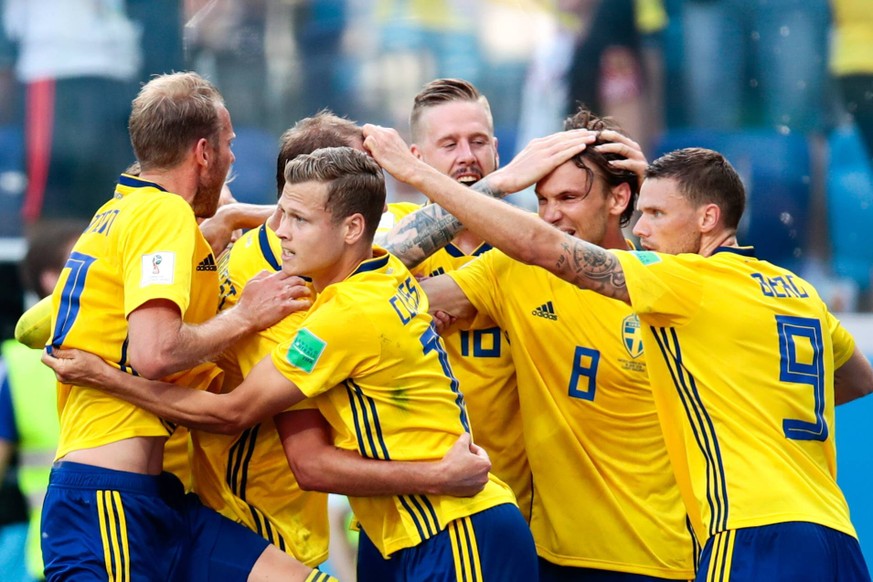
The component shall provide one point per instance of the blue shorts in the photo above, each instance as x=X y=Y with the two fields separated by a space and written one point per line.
x=494 y=544
x=794 y=551
x=100 y=524
x=550 y=572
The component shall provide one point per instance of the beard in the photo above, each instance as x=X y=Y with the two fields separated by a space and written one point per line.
x=206 y=197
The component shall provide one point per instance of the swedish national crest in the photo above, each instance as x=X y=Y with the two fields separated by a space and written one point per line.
x=632 y=336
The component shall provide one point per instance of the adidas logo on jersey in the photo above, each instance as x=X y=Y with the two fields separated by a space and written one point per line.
x=546 y=310
x=207 y=264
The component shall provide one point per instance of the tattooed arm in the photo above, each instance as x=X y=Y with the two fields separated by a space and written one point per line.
x=420 y=234
x=519 y=234
x=425 y=231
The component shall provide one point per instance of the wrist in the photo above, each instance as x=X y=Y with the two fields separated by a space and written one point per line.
x=237 y=319
x=434 y=483
x=493 y=185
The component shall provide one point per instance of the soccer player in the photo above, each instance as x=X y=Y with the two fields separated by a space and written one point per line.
x=745 y=361
x=384 y=382
x=245 y=476
x=591 y=431
x=140 y=291
x=453 y=131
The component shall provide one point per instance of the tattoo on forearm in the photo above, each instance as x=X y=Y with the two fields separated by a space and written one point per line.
x=429 y=229
x=421 y=234
x=594 y=268
x=485 y=188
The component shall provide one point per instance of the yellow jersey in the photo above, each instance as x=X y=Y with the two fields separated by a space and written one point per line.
x=482 y=361
x=742 y=356
x=604 y=494
x=388 y=392
x=246 y=477
x=141 y=245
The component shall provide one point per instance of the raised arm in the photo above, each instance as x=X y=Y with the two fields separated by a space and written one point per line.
x=519 y=234
x=320 y=466
x=853 y=379
x=423 y=232
x=264 y=393
x=420 y=234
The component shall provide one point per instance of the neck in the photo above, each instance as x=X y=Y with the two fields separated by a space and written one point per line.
x=722 y=239
x=340 y=270
x=467 y=241
x=614 y=239
x=174 y=180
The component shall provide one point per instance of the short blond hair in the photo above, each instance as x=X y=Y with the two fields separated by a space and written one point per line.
x=169 y=114
x=440 y=91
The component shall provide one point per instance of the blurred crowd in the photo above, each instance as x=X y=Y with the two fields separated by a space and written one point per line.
x=783 y=87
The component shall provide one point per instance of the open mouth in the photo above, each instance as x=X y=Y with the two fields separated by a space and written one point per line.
x=468 y=179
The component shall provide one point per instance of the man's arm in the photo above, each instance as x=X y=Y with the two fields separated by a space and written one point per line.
x=420 y=234
x=853 y=379
x=425 y=231
x=443 y=294
x=519 y=234
x=161 y=343
x=320 y=466
x=264 y=393
x=219 y=229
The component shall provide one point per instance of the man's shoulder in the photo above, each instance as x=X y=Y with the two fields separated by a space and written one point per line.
x=150 y=206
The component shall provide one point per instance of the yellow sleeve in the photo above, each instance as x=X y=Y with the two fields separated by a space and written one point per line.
x=156 y=254
x=323 y=353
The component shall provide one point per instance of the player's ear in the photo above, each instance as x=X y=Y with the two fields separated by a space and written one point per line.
x=355 y=227
x=203 y=152
x=618 y=198
x=710 y=215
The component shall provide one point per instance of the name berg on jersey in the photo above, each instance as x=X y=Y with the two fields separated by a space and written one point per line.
x=781 y=287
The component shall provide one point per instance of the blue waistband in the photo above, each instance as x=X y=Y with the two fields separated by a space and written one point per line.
x=80 y=476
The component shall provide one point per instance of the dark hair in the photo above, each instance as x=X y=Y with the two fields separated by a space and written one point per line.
x=355 y=183
x=169 y=114
x=704 y=177
x=48 y=242
x=440 y=91
x=322 y=130
x=585 y=119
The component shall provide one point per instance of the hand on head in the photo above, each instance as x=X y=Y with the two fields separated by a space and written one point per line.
x=635 y=160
